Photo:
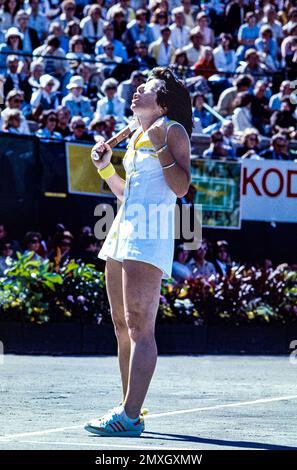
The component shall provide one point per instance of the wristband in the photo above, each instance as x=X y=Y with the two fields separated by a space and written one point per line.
x=107 y=171
x=161 y=149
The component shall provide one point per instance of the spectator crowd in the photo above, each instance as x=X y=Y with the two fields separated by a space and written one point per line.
x=69 y=69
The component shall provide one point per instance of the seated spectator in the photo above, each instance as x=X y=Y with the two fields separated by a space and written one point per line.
x=194 y=48
x=36 y=70
x=90 y=88
x=227 y=129
x=249 y=144
x=46 y=97
x=267 y=46
x=119 y=49
x=180 y=271
x=279 y=149
x=242 y=116
x=13 y=45
x=119 y=23
x=138 y=30
x=6 y=255
x=51 y=55
x=141 y=59
x=123 y=6
x=270 y=20
x=88 y=252
x=79 y=131
x=68 y=13
x=61 y=252
x=203 y=22
x=180 y=65
x=77 y=49
x=5 y=236
x=224 y=54
x=32 y=242
x=63 y=119
x=110 y=123
x=10 y=10
x=222 y=260
x=284 y=91
x=159 y=19
x=205 y=65
x=260 y=107
x=77 y=104
x=198 y=264
x=58 y=32
x=189 y=11
x=200 y=112
x=73 y=29
x=247 y=35
x=284 y=118
x=217 y=148
x=288 y=51
x=98 y=128
x=162 y=49
x=37 y=20
x=92 y=27
x=252 y=65
x=111 y=103
x=180 y=33
x=127 y=88
x=14 y=100
x=30 y=39
x=16 y=80
x=225 y=104
x=108 y=61
x=12 y=122
x=47 y=132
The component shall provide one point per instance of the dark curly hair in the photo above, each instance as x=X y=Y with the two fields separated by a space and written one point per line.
x=174 y=96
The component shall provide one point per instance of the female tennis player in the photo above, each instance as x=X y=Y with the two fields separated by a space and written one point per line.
x=139 y=246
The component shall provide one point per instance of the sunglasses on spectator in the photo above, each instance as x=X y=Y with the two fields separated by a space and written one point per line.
x=34 y=240
x=69 y=8
x=108 y=48
x=52 y=119
x=111 y=88
x=14 y=37
x=252 y=137
x=218 y=140
x=18 y=100
x=80 y=126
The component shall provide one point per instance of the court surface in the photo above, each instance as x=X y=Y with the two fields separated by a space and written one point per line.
x=195 y=402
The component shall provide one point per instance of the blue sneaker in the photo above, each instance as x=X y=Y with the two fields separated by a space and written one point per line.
x=116 y=424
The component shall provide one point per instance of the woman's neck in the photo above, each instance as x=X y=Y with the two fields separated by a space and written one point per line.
x=146 y=122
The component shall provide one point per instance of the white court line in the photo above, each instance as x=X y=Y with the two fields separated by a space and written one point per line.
x=157 y=415
x=102 y=444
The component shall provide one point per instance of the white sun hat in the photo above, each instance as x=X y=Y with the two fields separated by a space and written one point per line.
x=46 y=78
x=75 y=82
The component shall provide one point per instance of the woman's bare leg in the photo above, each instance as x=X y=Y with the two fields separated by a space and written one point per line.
x=141 y=291
x=113 y=275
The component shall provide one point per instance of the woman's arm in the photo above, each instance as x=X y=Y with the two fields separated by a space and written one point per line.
x=178 y=150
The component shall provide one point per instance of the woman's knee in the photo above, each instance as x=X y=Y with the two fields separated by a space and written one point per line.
x=119 y=323
x=138 y=327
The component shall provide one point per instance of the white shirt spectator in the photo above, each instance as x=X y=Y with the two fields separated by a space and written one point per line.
x=179 y=36
x=242 y=119
x=118 y=108
x=88 y=30
x=221 y=59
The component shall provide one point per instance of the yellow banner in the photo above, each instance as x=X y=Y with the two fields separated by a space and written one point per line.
x=83 y=177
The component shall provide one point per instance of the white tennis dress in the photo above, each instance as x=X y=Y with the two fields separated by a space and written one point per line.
x=143 y=229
